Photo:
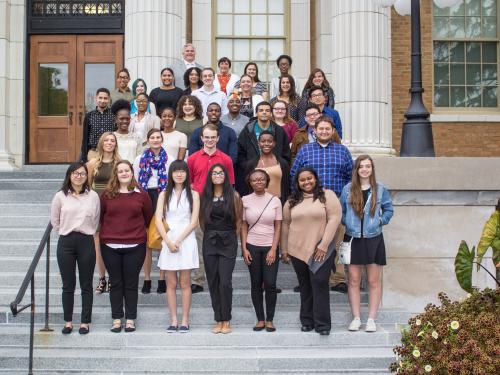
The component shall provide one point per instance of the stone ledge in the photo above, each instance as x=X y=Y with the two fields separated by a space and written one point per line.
x=445 y=198
x=460 y=118
x=441 y=173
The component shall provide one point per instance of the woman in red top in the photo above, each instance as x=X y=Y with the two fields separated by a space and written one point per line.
x=126 y=211
x=225 y=80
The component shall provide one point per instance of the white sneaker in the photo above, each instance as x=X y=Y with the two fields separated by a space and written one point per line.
x=355 y=324
x=370 y=326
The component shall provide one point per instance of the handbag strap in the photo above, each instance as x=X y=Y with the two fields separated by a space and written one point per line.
x=256 y=221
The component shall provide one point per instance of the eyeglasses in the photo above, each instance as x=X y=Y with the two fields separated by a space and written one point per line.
x=279 y=109
x=79 y=174
x=123 y=77
x=317 y=95
x=141 y=101
x=258 y=180
x=312 y=114
x=218 y=174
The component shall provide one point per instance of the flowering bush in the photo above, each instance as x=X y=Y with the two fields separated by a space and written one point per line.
x=461 y=337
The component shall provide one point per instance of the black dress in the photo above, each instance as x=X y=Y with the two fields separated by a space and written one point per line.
x=367 y=250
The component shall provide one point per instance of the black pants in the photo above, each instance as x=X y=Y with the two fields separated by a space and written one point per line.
x=76 y=248
x=219 y=256
x=123 y=266
x=261 y=273
x=314 y=294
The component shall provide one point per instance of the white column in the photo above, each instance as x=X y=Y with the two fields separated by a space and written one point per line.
x=153 y=37
x=12 y=49
x=300 y=39
x=361 y=74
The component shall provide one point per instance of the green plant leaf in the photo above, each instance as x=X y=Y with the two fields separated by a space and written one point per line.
x=463 y=266
x=488 y=236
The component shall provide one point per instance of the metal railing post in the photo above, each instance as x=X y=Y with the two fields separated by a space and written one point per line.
x=32 y=325
x=47 y=281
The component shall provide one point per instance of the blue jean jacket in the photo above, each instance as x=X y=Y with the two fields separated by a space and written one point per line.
x=372 y=225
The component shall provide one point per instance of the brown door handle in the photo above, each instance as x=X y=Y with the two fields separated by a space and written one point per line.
x=80 y=117
x=70 y=118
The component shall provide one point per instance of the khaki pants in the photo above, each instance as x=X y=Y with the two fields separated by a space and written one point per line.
x=338 y=276
x=198 y=275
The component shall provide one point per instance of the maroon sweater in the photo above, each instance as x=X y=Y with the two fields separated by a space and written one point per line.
x=124 y=219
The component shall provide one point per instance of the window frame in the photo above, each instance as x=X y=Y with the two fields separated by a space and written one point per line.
x=215 y=37
x=466 y=110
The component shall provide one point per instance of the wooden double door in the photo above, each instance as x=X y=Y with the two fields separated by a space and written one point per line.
x=65 y=72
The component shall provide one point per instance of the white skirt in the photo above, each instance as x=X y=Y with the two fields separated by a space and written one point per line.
x=187 y=256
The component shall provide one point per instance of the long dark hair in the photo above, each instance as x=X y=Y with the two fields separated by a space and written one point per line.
x=178 y=165
x=356 y=198
x=291 y=94
x=66 y=186
x=256 y=79
x=186 y=77
x=207 y=197
x=297 y=195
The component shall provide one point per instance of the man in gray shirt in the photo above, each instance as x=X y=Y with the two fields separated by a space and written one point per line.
x=233 y=119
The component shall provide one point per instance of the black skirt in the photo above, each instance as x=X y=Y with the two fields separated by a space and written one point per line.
x=368 y=251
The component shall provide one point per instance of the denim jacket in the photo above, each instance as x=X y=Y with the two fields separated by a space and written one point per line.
x=372 y=226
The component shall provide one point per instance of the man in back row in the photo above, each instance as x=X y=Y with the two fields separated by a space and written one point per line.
x=181 y=65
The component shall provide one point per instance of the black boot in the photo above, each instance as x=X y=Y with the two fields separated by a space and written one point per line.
x=146 y=287
x=162 y=287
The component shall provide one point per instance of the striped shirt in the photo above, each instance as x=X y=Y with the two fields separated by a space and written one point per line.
x=332 y=163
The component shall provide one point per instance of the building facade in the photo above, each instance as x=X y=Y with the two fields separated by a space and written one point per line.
x=55 y=53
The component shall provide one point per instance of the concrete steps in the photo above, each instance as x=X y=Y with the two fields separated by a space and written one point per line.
x=25 y=198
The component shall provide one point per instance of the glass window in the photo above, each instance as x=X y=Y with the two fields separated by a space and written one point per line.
x=96 y=76
x=465 y=54
x=251 y=30
x=53 y=89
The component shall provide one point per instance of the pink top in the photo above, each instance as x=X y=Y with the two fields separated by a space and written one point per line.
x=290 y=129
x=75 y=212
x=262 y=232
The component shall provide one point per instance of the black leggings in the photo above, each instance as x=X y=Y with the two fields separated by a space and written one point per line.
x=124 y=266
x=76 y=248
x=261 y=273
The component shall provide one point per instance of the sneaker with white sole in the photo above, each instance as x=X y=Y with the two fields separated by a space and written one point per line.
x=355 y=324
x=370 y=326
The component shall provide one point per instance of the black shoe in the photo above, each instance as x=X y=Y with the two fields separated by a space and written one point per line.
x=306 y=328
x=196 y=288
x=258 y=329
x=324 y=332
x=296 y=289
x=270 y=329
x=340 y=287
x=146 y=287
x=162 y=287
x=67 y=330
x=84 y=330
x=278 y=290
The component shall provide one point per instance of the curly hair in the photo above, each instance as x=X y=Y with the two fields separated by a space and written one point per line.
x=198 y=109
x=297 y=195
x=113 y=187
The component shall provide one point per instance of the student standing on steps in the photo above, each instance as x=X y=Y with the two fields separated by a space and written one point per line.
x=129 y=144
x=74 y=214
x=167 y=95
x=179 y=206
x=220 y=219
x=310 y=218
x=260 y=236
x=143 y=121
x=150 y=170
x=100 y=169
x=126 y=211
x=366 y=207
x=189 y=115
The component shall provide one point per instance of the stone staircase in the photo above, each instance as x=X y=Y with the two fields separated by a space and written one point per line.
x=25 y=196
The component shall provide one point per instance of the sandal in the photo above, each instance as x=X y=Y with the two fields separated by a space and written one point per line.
x=101 y=287
x=117 y=326
x=129 y=326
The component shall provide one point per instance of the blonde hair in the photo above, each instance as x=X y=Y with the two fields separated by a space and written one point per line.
x=100 y=152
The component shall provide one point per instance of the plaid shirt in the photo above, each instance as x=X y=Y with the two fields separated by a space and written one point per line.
x=332 y=163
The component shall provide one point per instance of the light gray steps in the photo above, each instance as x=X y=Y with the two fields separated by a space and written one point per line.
x=32 y=185
x=24 y=196
x=241 y=298
x=26 y=209
x=158 y=316
x=23 y=221
x=270 y=372
x=179 y=360
x=199 y=336
x=27 y=234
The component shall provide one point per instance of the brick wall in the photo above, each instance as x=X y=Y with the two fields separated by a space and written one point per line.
x=450 y=139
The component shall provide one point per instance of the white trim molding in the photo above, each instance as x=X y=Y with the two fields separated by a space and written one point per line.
x=453 y=117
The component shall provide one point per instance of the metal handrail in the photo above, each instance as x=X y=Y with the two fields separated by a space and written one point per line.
x=30 y=279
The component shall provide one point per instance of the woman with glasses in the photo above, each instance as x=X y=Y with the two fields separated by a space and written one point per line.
x=220 y=219
x=139 y=87
x=74 y=214
x=282 y=118
x=143 y=121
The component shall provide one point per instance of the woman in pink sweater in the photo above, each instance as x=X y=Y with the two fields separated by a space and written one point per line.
x=310 y=219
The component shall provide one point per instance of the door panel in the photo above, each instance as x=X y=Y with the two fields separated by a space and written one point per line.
x=65 y=72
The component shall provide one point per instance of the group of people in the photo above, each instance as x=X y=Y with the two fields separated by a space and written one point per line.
x=206 y=164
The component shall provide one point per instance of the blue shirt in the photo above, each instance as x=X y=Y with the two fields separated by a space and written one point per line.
x=332 y=163
x=228 y=143
x=333 y=114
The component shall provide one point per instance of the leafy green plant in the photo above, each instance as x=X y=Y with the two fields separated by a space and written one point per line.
x=490 y=237
x=460 y=337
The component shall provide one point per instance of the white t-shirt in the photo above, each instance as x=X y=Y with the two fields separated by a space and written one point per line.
x=172 y=142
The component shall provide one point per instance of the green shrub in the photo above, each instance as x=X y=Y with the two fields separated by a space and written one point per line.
x=461 y=337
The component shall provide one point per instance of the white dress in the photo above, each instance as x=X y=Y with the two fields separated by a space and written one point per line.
x=178 y=218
